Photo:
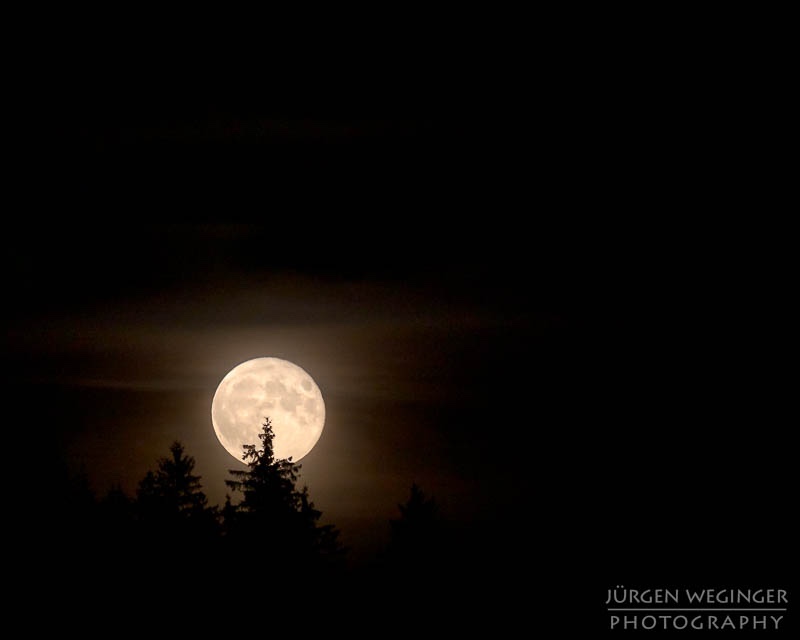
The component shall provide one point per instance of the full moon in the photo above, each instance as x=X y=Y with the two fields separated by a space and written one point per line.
x=273 y=388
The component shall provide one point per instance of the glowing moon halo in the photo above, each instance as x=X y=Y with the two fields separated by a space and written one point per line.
x=274 y=388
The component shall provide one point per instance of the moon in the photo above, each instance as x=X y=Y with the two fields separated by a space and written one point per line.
x=274 y=388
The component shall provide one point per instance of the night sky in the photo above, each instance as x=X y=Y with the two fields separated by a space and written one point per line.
x=436 y=375
x=590 y=395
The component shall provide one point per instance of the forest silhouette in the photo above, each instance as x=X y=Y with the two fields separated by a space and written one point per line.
x=265 y=547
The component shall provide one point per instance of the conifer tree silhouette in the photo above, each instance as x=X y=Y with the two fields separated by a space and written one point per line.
x=171 y=501
x=416 y=537
x=274 y=515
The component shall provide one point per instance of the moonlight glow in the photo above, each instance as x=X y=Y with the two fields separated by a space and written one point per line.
x=269 y=387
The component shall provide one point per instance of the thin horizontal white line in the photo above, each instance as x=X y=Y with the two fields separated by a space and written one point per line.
x=664 y=609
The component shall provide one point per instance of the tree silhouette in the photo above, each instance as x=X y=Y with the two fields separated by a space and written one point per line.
x=171 y=502
x=275 y=516
x=416 y=537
